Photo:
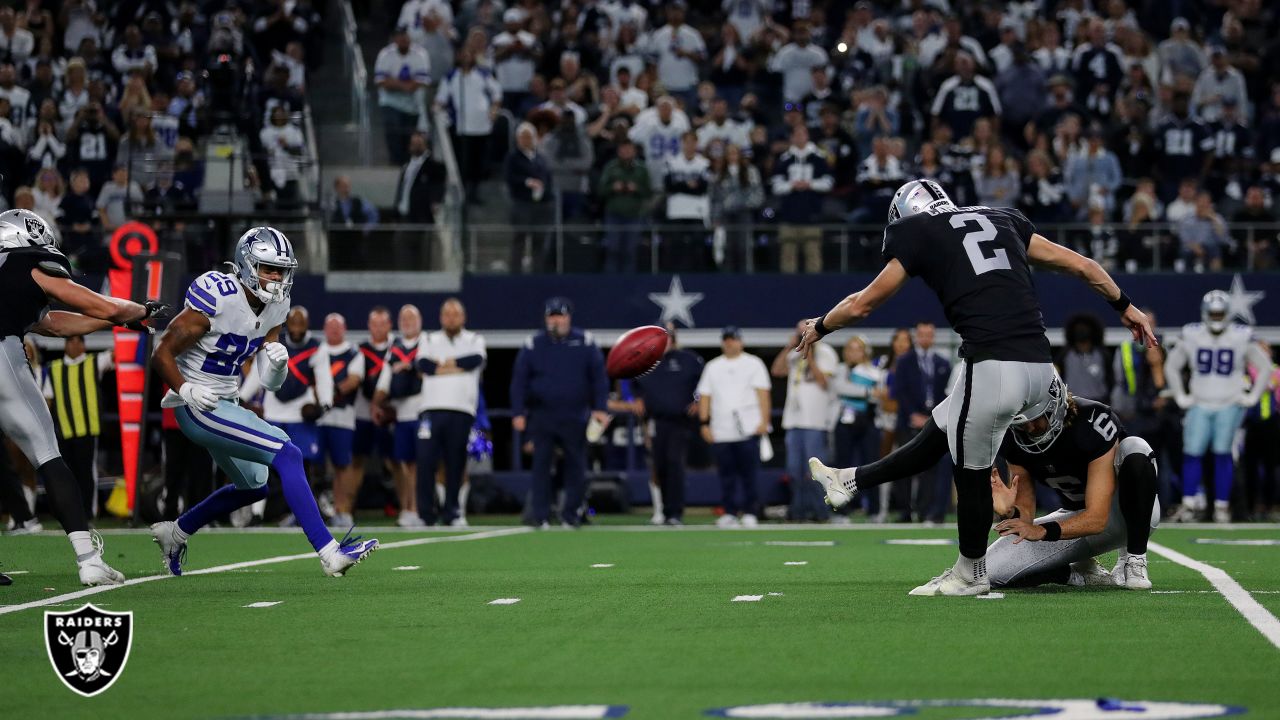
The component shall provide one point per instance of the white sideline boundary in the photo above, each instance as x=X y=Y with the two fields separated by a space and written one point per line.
x=1258 y=616
x=503 y=532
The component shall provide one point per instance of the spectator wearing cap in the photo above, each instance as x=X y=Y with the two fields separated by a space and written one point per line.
x=558 y=381
x=795 y=61
x=401 y=73
x=16 y=43
x=516 y=53
x=1180 y=55
x=678 y=50
x=528 y=178
x=801 y=178
x=734 y=409
x=1093 y=176
x=472 y=97
x=625 y=190
x=806 y=418
x=1218 y=84
x=964 y=97
x=668 y=398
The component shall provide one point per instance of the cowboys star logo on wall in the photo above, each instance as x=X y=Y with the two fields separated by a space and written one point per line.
x=88 y=647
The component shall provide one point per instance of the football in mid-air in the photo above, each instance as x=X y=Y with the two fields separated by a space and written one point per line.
x=636 y=352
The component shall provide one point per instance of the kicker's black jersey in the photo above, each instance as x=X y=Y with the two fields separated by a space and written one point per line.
x=975 y=259
x=21 y=298
x=1064 y=466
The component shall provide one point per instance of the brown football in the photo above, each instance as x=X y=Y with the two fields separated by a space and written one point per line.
x=637 y=352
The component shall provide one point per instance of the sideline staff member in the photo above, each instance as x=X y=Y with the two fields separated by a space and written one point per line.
x=669 y=400
x=71 y=387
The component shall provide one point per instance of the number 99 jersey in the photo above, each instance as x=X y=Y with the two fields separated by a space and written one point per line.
x=236 y=332
x=1217 y=362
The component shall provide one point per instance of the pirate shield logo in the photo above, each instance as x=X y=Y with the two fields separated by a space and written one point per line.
x=88 y=647
x=35 y=227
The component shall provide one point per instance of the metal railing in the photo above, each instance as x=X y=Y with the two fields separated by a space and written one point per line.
x=455 y=194
x=354 y=58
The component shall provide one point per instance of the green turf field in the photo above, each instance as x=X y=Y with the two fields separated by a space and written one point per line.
x=655 y=633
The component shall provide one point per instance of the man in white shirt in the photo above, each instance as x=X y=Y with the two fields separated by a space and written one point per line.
x=451 y=360
x=734 y=407
x=806 y=418
x=678 y=49
x=401 y=73
x=285 y=145
x=796 y=61
x=516 y=53
x=658 y=131
x=472 y=96
x=18 y=43
x=413 y=12
x=337 y=427
x=721 y=127
x=747 y=16
x=399 y=392
x=631 y=99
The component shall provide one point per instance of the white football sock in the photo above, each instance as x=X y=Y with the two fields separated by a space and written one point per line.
x=178 y=533
x=329 y=549
x=656 y=493
x=82 y=544
x=971 y=569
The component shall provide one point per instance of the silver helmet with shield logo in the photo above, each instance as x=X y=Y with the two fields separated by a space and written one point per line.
x=23 y=228
x=265 y=246
x=918 y=196
x=1054 y=408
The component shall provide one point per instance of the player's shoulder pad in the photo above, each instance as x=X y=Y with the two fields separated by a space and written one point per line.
x=206 y=293
x=55 y=266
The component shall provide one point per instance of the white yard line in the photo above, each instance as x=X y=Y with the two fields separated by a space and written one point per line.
x=254 y=563
x=1253 y=611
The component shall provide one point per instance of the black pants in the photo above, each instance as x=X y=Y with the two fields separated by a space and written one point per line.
x=81 y=455
x=670 y=447
x=188 y=472
x=1261 y=452
x=858 y=443
x=399 y=126
x=738 y=462
x=473 y=160
x=534 y=221
x=932 y=490
x=447 y=444
x=571 y=437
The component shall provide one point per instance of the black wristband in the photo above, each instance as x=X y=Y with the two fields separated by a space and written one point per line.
x=705 y=423
x=1052 y=531
x=1121 y=303
x=822 y=330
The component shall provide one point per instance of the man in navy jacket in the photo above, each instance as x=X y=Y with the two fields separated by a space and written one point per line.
x=920 y=383
x=558 y=381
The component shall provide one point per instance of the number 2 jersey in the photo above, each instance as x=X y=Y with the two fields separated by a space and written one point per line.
x=975 y=260
x=1216 y=362
x=236 y=332
x=1064 y=465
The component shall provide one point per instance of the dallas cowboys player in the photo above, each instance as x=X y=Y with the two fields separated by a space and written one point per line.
x=228 y=318
x=978 y=261
x=33 y=274
x=1218 y=353
x=1106 y=482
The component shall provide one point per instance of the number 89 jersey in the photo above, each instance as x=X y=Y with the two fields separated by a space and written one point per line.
x=1064 y=465
x=975 y=259
x=1217 y=362
x=236 y=332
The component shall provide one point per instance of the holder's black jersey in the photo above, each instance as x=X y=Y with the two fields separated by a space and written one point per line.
x=22 y=300
x=1064 y=465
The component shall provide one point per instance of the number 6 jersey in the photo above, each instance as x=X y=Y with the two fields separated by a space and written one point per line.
x=236 y=332
x=975 y=259
x=1064 y=465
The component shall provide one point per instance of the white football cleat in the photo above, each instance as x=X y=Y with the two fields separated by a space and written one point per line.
x=658 y=519
x=1131 y=573
x=173 y=550
x=347 y=555
x=749 y=520
x=30 y=527
x=459 y=522
x=95 y=571
x=950 y=583
x=727 y=521
x=409 y=519
x=1222 y=514
x=1089 y=573
x=838 y=493
x=1185 y=514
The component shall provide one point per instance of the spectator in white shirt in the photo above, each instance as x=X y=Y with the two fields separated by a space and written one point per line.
x=516 y=53
x=658 y=131
x=133 y=53
x=721 y=127
x=284 y=145
x=401 y=73
x=16 y=43
x=747 y=16
x=1218 y=83
x=631 y=99
x=806 y=418
x=559 y=103
x=796 y=61
x=414 y=12
x=472 y=97
x=678 y=50
x=115 y=196
x=932 y=47
x=734 y=407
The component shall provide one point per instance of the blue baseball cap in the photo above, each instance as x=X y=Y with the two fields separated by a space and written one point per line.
x=558 y=306
x=731 y=331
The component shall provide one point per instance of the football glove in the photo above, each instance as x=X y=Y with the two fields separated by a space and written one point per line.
x=277 y=354
x=156 y=310
x=198 y=396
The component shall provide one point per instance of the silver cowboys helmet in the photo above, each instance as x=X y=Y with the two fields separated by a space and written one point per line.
x=265 y=246
x=1054 y=408
x=1215 y=310
x=918 y=196
x=23 y=228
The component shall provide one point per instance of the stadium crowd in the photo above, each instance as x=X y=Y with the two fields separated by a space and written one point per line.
x=1149 y=126
x=104 y=107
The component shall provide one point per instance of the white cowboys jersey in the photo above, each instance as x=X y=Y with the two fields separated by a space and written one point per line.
x=1216 y=362
x=235 y=334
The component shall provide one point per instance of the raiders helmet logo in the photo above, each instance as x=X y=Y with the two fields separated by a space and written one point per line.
x=88 y=647
x=34 y=227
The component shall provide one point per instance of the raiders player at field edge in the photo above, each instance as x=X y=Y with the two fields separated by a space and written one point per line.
x=1106 y=481
x=978 y=262
x=34 y=274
